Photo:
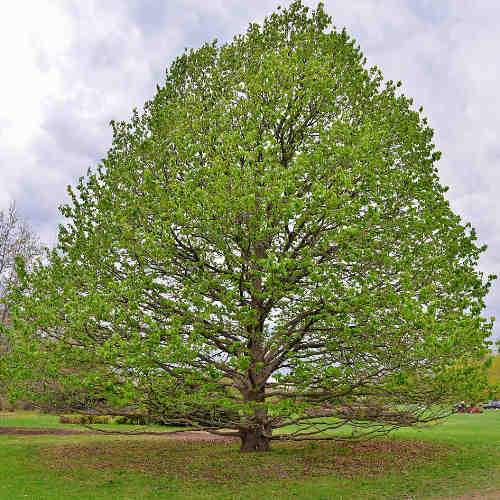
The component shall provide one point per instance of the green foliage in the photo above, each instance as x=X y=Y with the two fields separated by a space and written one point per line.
x=86 y=419
x=269 y=238
x=494 y=375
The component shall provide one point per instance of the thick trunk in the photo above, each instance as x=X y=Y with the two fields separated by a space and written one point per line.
x=254 y=440
x=256 y=435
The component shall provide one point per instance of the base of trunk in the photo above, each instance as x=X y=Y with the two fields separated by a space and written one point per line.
x=253 y=440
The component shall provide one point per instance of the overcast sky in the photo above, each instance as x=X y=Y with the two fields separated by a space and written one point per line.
x=69 y=67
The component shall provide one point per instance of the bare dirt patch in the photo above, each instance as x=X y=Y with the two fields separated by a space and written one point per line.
x=197 y=459
x=197 y=436
x=29 y=431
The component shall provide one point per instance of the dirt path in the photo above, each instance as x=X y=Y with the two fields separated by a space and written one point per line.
x=29 y=431
x=198 y=436
x=177 y=436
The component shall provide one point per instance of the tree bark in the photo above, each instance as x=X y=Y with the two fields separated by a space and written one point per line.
x=254 y=440
x=256 y=435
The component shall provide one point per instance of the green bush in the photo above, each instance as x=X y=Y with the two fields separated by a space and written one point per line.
x=134 y=420
x=85 y=419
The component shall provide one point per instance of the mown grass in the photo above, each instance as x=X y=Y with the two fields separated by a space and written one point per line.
x=31 y=419
x=458 y=456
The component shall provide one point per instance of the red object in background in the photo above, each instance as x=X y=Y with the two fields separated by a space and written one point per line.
x=474 y=409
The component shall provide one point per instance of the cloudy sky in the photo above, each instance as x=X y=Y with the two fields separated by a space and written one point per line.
x=69 y=67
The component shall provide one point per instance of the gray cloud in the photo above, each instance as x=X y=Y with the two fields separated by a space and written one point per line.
x=93 y=61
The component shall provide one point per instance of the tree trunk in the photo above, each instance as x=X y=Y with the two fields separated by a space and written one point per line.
x=256 y=435
x=254 y=440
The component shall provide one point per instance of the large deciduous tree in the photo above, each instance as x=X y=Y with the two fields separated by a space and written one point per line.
x=266 y=243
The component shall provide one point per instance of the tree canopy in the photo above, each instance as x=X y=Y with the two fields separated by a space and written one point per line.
x=266 y=242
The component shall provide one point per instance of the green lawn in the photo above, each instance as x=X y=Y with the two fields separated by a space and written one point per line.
x=31 y=419
x=444 y=461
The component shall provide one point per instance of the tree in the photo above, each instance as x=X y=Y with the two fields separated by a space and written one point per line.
x=266 y=243
x=17 y=240
x=494 y=375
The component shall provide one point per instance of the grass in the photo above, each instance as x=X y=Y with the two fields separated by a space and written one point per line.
x=444 y=461
x=31 y=419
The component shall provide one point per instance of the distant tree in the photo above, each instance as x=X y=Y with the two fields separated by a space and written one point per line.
x=17 y=241
x=494 y=375
x=268 y=242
